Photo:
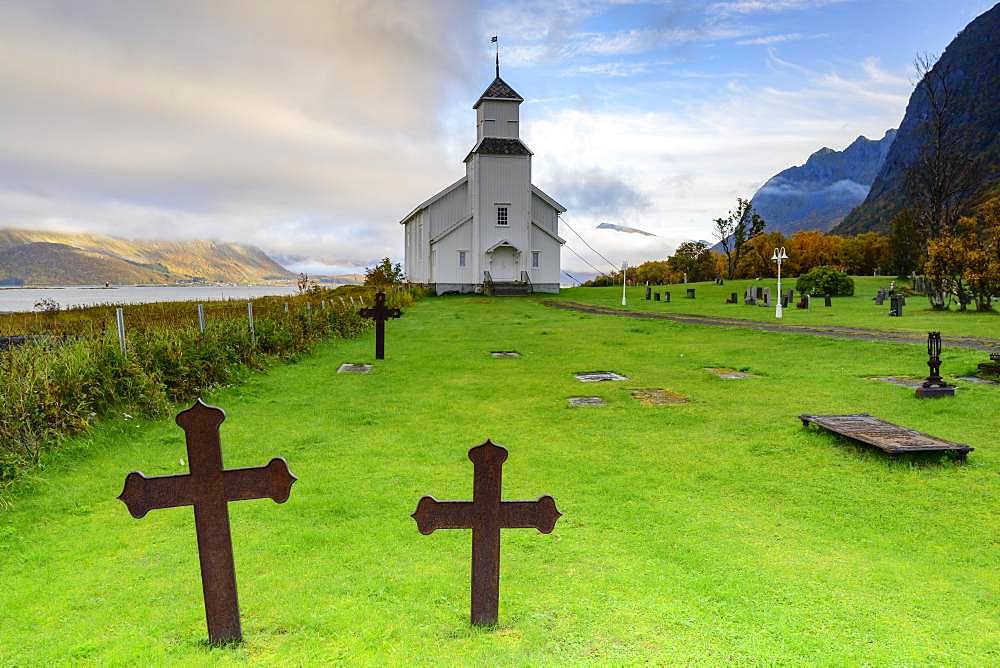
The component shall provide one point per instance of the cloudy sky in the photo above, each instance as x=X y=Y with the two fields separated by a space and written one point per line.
x=309 y=128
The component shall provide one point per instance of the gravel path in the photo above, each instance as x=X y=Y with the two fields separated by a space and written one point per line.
x=833 y=332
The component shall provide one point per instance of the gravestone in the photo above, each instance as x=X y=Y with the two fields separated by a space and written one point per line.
x=649 y=291
x=886 y=436
x=733 y=299
x=993 y=366
x=748 y=297
x=880 y=297
x=380 y=313
x=209 y=488
x=598 y=376
x=658 y=396
x=486 y=515
x=791 y=296
x=690 y=293
x=827 y=300
x=348 y=367
x=656 y=297
x=784 y=301
x=803 y=303
x=666 y=295
x=767 y=296
x=505 y=354
x=896 y=306
x=759 y=292
x=586 y=401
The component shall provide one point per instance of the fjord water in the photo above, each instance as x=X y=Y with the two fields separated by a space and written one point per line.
x=24 y=299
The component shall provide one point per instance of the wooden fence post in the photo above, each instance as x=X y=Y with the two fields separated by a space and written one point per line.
x=253 y=333
x=120 y=321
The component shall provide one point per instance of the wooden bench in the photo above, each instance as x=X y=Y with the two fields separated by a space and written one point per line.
x=885 y=436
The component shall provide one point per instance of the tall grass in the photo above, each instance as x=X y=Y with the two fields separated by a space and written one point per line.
x=74 y=373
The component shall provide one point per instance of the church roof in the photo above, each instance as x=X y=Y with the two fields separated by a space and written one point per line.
x=498 y=90
x=499 y=146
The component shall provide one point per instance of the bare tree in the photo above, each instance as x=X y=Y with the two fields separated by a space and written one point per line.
x=943 y=179
x=733 y=231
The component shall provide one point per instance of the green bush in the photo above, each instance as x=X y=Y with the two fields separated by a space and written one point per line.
x=826 y=281
x=59 y=385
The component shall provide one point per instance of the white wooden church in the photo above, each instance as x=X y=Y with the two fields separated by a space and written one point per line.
x=492 y=224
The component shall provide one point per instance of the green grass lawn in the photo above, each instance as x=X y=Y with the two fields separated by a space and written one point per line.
x=857 y=311
x=718 y=531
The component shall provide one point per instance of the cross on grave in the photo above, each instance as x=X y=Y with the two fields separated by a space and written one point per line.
x=486 y=514
x=209 y=488
x=380 y=314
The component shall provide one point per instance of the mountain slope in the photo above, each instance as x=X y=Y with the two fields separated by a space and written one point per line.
x=50 y=258
x=820 y=193
x=973 y=59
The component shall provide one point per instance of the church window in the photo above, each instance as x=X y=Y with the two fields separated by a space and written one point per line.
x=536 y=257
x=502 y=216
x=461 y=258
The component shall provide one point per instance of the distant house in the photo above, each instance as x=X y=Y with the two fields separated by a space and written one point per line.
x=491 y=223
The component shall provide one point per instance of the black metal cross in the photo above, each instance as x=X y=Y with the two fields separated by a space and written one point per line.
x=209 y=488
x=380 y=314
x=486 y=514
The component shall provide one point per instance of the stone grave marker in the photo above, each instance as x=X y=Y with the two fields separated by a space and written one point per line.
x=896 y=306
x=658 y=396
x=598 y=376
x=690 y=293
x=767 y=296
x=827 y=300
x=349 y=367
x=505 y=354
x=649 y=292
x=656 y=297
x=726 y=373
x=586 y=401
x=209 y=488
x=486 y=515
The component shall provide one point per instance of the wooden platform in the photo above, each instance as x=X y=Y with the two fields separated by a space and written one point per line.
x=885 y=436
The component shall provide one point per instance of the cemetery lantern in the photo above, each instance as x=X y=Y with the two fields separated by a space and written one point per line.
x=779 y=256
x=934 y=386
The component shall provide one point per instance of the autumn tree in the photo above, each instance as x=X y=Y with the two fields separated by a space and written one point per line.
x=734 y=231
x=694 y=259
x=965 y=261
x=384 y=273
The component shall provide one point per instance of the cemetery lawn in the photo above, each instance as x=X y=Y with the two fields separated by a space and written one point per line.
x=717 y=531
x=857 y=311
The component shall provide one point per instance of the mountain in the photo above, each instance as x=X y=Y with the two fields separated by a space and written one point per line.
x=819 y=194
x=973 y=62
x=51 y=258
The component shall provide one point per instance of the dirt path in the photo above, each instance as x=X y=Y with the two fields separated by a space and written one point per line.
x=831 y=331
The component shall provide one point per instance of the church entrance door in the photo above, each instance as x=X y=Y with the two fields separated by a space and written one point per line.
x=502 y=264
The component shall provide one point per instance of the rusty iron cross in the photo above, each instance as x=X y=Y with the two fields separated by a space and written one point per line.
x=209 y=488
x=380 y=314
x=486 y=514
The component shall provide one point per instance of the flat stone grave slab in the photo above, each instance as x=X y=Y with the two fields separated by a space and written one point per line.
x=657 y=396
x=726 y=373
x=586 y=401
x=902 y=381
x=505 y=354
x=886 y=436
x=978 y=381
x=348 y=367
x=598 y=376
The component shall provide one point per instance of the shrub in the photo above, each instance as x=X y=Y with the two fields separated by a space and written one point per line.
x=75 y=373
x=826 y=281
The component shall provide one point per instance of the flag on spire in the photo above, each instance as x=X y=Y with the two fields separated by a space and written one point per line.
x=496 y=40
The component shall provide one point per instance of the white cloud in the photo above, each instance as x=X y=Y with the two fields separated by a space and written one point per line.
x=688 y=164
x=754 y=6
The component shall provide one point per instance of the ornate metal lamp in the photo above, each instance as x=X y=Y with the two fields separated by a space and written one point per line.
x=934 y=386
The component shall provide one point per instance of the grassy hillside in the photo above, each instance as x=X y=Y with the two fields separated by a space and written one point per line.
x=51 y=258
x=715 y=532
